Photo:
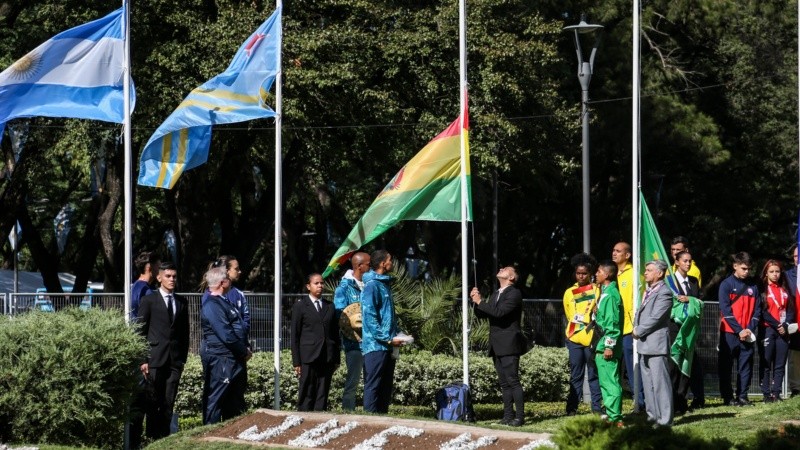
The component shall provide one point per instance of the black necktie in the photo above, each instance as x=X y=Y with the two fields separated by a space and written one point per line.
x=317 y=305
x=170 y=313
x=686 y=283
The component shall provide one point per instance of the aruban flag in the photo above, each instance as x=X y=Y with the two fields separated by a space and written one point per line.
x=236 y=95
x=427 y=188
x=580 y=295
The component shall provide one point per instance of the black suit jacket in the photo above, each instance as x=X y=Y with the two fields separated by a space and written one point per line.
x=694 y=286
x=314 y=335
x=504 y=312
x=169 y=342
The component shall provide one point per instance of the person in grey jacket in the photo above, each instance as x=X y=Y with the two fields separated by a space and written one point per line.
x=651 y=329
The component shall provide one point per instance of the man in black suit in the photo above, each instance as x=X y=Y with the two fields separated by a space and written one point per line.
x=164 y=320
x=315 y=346
x=506 y=341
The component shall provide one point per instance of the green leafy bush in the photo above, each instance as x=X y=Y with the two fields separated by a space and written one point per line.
x=67 y=377
x=418 y=375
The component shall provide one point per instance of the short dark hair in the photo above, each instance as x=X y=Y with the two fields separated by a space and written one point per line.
x=742 y=258
x=312 y=275
x=680 y=240
x=611 y=268
x=377 y=257
x=143 y=259
x=168 y=265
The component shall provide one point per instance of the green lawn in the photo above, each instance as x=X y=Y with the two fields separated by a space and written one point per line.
x=735 y=424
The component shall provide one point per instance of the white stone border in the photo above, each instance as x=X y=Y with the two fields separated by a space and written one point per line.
x=310 y=439
x=539 y=443
x=379 y=440
x=252 y=434
x=464 y=442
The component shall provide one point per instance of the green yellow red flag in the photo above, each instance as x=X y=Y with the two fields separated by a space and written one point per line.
x=428 y=187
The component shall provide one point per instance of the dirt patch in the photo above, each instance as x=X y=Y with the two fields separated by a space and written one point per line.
x=434 y=433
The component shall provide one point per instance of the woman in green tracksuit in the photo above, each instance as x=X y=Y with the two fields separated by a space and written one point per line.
x=609 y=347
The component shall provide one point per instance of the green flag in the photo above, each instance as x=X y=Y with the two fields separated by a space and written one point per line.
x=651 y=245
x=688 y=314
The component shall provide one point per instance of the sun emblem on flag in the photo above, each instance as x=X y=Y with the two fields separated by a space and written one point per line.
x=26 y=67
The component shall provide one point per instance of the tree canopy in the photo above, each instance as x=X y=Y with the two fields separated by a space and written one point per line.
x=366 y=84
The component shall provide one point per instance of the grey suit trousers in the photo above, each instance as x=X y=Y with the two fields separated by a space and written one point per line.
x=657 y=388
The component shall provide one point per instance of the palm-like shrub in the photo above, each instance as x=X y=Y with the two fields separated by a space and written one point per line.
x=431 y=312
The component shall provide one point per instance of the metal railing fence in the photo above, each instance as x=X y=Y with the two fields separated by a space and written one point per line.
x=544 y=316
x=261 y=305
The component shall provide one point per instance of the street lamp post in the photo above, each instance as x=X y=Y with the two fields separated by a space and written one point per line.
x=585 y=69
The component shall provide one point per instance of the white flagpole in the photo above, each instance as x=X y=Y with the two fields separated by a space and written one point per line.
x=126 y=131
x=126 y=126
x=278 y=264
x=462 y=69
x=635 y=219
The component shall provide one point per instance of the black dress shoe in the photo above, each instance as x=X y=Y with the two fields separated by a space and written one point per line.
x=697 y=404
x=505 y=421
x=516 y=422
x=744 y=402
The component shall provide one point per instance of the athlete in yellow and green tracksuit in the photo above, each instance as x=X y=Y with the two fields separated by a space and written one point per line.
x=608 y=354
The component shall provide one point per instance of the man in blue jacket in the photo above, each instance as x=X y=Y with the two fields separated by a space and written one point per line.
x=349 y=292
x=378 y=333
x=224 y=352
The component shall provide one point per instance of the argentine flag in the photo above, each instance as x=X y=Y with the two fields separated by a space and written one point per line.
x=77 y=73
x=236 y=95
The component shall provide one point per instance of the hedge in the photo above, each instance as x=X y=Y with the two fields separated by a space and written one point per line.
x=67 y=377
x=544 y=372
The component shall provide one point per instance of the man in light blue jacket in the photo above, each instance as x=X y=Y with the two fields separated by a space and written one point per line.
x=349 y=292
x=378 y=333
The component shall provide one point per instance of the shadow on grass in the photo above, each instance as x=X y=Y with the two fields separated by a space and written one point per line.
x=700 y=417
